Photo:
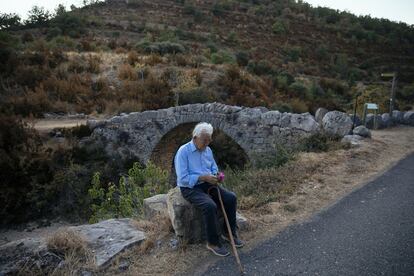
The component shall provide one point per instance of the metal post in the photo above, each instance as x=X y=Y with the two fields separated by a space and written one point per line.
x=355 y=108
x=392 y=98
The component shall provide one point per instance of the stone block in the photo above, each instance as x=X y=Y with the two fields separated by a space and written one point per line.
x=156 y=205
x=187 y=221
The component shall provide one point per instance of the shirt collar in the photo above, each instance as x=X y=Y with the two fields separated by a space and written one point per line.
x=193 y=146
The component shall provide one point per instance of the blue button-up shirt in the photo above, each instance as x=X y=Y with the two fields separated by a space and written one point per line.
x=191 y=163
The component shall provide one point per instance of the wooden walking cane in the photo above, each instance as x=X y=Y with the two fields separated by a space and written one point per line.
x=229 y=230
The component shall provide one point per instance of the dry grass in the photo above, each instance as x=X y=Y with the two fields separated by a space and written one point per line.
x=66 y=241
x=158 y=228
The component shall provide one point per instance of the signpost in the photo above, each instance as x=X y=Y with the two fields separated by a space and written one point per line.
x=393 y=86
x=370 y=106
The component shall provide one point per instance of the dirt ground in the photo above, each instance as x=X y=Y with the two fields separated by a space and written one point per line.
x=327 y=178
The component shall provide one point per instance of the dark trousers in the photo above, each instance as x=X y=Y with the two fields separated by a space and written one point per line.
x=209 y=205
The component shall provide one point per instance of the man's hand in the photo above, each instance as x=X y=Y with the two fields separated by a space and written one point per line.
x=212 y=179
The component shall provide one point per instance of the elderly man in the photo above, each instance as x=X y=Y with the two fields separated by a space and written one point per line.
x=196 y=175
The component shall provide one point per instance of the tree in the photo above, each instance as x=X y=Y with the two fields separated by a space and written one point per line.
x=9 y=20
x=37 y=16
x=60 y=10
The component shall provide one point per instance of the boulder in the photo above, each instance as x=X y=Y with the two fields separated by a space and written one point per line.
x=106 y=239
x=397 y=116
x=354 y=140
x=188 y=222
x=156 y=205
x=380 y=122
x=362 y=131
x=337 y=123
x=409 y=118
x=319 y=114
x=386 y=120
x=369 y=121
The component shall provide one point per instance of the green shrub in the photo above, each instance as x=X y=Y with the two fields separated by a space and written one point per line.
x=281 y=156
x=294 y=53
x=223 y=57
x=281 y=107
x=127 y=198
x=315 y=143
x=263 y=67
x=279 y=27
x=298 y=90
x=161 y=48
x=242 y=58
x=197 y=95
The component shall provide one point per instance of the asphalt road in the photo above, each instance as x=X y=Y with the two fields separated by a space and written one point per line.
x=369 y=232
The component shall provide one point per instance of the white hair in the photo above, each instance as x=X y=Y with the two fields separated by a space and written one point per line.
x=202 y=128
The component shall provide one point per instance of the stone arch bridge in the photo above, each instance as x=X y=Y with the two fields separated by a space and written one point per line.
x=257 y=131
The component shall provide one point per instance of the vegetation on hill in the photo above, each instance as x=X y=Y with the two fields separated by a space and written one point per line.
x=121 y=56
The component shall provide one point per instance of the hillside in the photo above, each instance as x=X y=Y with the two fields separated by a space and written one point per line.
x=122 y=56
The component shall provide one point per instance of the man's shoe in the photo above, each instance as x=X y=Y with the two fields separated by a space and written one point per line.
x=237 y=242
x=219 y=251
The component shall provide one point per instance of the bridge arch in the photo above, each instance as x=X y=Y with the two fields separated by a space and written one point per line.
x=255 y=130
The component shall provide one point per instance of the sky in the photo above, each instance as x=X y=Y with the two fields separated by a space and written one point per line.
x=396 y=10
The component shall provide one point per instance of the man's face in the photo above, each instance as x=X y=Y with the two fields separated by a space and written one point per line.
x=202 y=141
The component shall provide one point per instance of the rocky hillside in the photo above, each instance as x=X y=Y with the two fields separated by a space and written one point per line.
x=133 y=55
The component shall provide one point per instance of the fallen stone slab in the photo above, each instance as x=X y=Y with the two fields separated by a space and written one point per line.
x=106 y=239
x=110 y=237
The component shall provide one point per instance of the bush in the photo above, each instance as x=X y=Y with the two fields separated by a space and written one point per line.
x=242 y=58
x=223 y=56
x=161 y=48
x=315 y=143
x=262 y=67
x=197 y=95
x=279 y=27
x=281 y=156
x=126 y=72
x=298 y=90
x=127 y=198
x=93 y=62
x=281 y=107
x=24 y=171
